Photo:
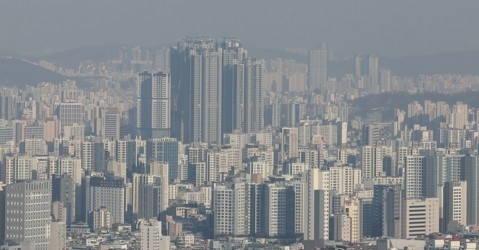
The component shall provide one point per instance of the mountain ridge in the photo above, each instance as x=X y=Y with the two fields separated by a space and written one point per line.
x=19 y=72
x=452 y=62
x=15 y=72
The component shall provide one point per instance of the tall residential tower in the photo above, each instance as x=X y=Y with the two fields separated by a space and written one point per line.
x=27 y=213
x=196 y=69
x=318 y=59
x=216 y=89
x=242 y=90
x=153 y=104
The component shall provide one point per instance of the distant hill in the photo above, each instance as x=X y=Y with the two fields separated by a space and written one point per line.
x=386 y=103
x=72 y=58
x=276 y=53
x=17 y=72
x=460 y=62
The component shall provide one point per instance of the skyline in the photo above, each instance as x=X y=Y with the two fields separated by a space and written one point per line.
x=221 y=125
x=220 y=148
x=393 y=29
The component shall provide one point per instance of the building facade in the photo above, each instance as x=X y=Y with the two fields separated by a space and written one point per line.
x=153 y=105
x=27 y=213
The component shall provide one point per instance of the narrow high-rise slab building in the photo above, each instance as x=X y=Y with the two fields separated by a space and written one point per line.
x=153 y=105
x=317 y=76
x=242 y=91
x=196 y=69
x=27 y=213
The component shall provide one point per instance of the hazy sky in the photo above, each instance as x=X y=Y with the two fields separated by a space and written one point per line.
x=383 y=27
